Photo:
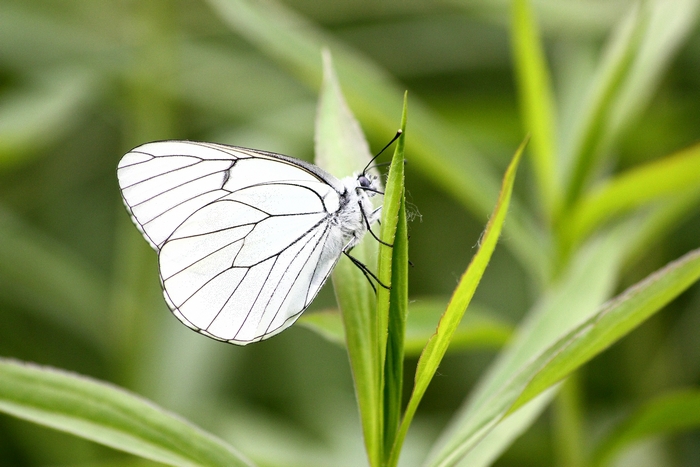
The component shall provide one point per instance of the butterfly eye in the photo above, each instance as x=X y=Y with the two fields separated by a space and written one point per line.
x=364 y=181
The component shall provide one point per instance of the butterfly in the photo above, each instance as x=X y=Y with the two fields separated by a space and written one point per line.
x=245 y=238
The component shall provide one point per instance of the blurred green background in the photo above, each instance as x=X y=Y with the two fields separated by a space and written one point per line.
x=82 y=82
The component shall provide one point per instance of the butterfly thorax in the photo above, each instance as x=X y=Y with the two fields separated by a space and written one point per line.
x=356 y=211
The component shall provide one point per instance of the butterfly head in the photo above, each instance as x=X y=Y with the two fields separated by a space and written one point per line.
x=367 y=183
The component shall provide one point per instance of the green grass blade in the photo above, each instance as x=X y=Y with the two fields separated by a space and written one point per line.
x=642 y=49
x=437 y=346
x=670 y=413
x=654 y=181
x=536 y=103
x=668 y=28
x=438 y=150
x=591 y=135
x=341 y=149
x=614 y=320
x=107 y=415
x=392 y=305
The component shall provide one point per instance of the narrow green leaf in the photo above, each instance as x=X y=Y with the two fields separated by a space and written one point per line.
x=536 y=103
x=107 y=415
x=669 y=25
x=592 y=135
x=614 y=320
x=657 y=180
x=666 y=414
x=392 y=304
x=438 y=150
x=639 y=53
x=341 y=149
x=437 y=346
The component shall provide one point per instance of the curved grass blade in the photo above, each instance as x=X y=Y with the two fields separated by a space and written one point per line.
x=587 y=143
x=392 y=304
x=107 y=415
x=437 y=346
x=657 y=180
x=640 y=51
x=536 y=104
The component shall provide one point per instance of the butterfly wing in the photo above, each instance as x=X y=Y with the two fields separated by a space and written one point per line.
x=244 y=238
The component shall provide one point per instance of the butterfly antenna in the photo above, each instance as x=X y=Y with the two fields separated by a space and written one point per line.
x=398 y=133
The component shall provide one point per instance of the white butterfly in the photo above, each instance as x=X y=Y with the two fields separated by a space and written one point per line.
x=245 y=238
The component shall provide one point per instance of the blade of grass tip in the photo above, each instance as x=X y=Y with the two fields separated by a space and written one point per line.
x=341 y=149
x=392 y=304
x=536 y=103
x=107 y=415
x=437 y=346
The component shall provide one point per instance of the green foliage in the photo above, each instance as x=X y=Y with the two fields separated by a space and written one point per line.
x=607 y=192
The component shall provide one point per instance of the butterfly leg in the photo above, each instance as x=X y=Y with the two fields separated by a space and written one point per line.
x=374 y=215
x=368 y=274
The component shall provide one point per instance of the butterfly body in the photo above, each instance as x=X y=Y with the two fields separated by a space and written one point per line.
x=245 y=238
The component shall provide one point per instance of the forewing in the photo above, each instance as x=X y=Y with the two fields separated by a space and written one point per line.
x=164 y=183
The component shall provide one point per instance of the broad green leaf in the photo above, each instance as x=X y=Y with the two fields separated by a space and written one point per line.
x=341 y=149
x=392 y=304
x=656 y=180
x=436 y=347
x=536 y=103
x=584 y=286
x=669 y=413
x=107 y=415
x=438 y=150
x=614 y=320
